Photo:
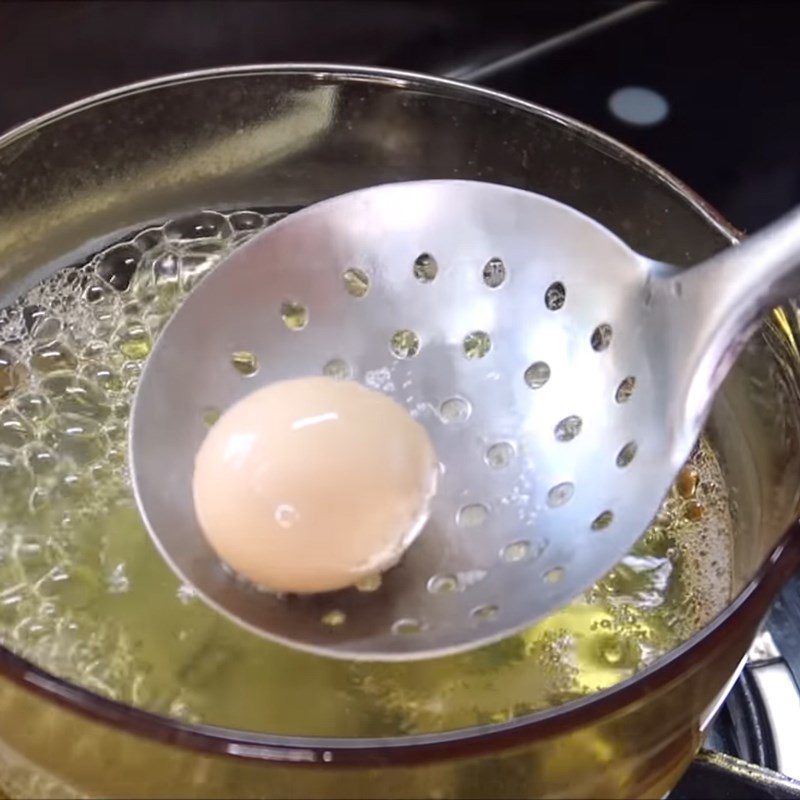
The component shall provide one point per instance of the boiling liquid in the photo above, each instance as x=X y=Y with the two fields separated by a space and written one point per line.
x=84 y=594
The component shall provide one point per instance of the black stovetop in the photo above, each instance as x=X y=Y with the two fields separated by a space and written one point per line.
x=726 y=74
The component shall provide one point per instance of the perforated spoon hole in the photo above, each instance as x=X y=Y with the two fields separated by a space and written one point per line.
x=210 y=416
x=601 y=337
x=485 y=612
x=602 y=521
x=407 y=627
x=568 y=428
x=537 y=375
x=443 y=584
x=404 y=344
x=477 y=344
x=454 y=410
x=338 y=369
x=356 y=282
x=472 y=515
x=334 y=618
x=425 y=268
x=370 y=583
x=553 y=575
x=244 y=362
x=499 y=455
x=625 y=389
x=516 y=551
x=560 y=494
x=294 y=315
x=555 y=296
x=494 y=273
x=626 y=454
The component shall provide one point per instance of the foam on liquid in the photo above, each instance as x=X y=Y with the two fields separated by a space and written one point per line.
x=84 y=594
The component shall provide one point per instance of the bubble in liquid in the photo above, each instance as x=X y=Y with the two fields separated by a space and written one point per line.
x=148 y=239
x=694 y=511
x=165 y=268
x=95 y=292
x=34 y=406
x=47 y=329
x=76 y=437
x=15 y=430
x=246 y=220
x=52 y=357
x=133 y=309
x=71 y=393
x=93 y=349
x=201 y=225
x=117 y=265
x=133 y=340
x=41 y=459
x=687 y=482
x=104 y=376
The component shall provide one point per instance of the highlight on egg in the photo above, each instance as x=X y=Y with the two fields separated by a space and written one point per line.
x=313 y=484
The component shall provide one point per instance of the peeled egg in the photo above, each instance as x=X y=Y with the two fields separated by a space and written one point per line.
x=312 y=484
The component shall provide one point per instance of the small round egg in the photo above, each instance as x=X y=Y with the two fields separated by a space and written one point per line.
x=310 y=485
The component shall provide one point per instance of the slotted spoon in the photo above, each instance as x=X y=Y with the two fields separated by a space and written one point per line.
x=564 y=380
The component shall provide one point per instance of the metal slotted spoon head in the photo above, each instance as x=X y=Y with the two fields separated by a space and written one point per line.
x=563 y=379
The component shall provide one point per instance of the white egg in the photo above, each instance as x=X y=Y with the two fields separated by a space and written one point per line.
x=310 y=485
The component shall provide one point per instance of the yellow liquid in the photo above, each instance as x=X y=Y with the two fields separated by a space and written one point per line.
x=84 y=594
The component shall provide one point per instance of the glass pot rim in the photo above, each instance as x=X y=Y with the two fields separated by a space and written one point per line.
x=413 y=749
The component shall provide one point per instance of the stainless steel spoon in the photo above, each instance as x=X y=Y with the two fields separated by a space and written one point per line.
x=563 y=377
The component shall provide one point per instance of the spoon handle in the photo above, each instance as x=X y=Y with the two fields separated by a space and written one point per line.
x=742 y=282
x=709 y=312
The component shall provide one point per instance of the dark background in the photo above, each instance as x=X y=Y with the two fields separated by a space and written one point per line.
x=730 y=71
